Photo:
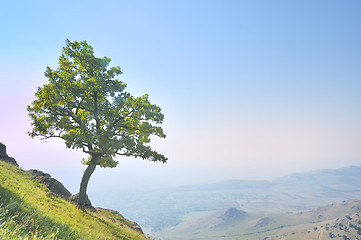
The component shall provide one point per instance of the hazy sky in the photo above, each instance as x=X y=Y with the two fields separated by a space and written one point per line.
x=248 y=88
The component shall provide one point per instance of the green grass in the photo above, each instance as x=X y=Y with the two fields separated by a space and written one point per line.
x=27 y=211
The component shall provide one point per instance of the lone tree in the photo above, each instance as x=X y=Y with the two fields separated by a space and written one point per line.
x=86 y=107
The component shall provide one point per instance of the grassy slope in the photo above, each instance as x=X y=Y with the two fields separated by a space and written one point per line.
x=28 y=211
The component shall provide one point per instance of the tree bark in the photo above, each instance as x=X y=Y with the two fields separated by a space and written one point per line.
x=85 y=180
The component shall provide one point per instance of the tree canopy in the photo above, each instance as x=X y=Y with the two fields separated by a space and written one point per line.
x=89 y=109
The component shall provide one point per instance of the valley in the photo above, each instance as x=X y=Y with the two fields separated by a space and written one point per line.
x=268 y=206
x=332 y=221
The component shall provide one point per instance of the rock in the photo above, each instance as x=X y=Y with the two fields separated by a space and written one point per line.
x=4 y=157
x=37 y=173
x=135 y=226
x=117 y=217
x=51 y=183
x=10 y=160
x=2 y=150
x=88 y=204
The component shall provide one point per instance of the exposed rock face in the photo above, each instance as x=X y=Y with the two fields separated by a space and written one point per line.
x=4 y=157
x=88 y=204
x=51 y=183
x=115 y=216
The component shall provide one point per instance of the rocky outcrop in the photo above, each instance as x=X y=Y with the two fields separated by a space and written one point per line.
x=116 y=217
x=57 y=188
x=52 y=184
x=74 y=198
x=4 y=157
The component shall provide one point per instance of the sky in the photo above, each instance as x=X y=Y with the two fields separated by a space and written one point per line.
x=249 y=89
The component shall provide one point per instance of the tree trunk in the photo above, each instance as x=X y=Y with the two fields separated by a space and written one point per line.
x=85 y=180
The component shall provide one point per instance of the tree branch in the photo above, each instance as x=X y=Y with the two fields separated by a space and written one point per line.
x=122 y=118
x=78 y=107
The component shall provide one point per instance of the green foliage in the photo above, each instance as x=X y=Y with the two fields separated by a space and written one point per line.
x=89 y=109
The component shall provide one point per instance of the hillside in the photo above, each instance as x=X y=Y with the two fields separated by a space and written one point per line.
x=336 y=221
x=292 y=193
x=29 y=210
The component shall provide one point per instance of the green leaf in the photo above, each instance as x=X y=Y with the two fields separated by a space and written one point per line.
x=89 y=109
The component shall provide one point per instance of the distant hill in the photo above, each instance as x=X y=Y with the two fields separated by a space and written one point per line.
x=30 y=209
x=342 y=179
x=292 y=193
x=338 y=221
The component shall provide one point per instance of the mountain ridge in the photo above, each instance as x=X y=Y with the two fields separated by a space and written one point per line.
x=308 y=175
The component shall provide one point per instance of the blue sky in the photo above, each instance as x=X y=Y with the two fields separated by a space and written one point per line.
x=249 y=88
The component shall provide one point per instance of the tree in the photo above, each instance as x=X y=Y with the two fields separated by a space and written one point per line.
x=90 y=110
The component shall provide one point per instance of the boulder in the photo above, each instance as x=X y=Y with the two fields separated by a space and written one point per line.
x=4 y=157
x=88 y=204
x=2 y=150
x=51 y=183
x=115 y=216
